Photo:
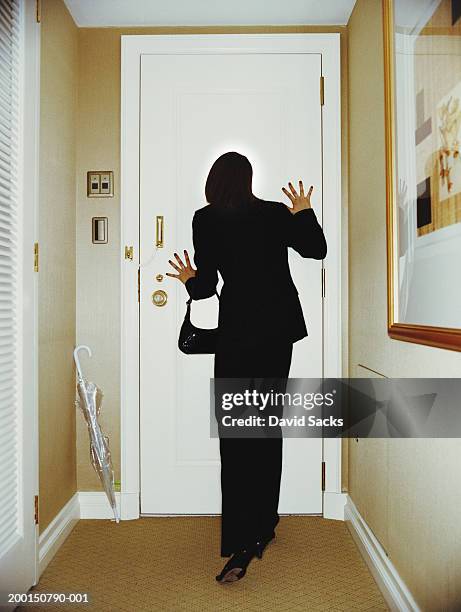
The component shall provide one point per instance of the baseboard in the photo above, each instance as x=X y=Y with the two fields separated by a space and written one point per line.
x=95 y=505
x=129 y=506
x=333 y=505
x=57 y=531
x=394 y=590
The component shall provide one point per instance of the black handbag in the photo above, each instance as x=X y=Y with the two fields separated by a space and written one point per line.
x=195 y=340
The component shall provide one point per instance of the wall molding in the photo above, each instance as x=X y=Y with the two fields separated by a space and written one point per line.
x=57 y=532
x=95 y=505
x=132 y=48
x=333 y=505
x=129 y=506
x=393 y=588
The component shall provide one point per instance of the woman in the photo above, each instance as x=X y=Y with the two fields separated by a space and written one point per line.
x=246 y=239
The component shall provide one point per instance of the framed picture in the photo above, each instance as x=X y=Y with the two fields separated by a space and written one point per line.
x=422 y=63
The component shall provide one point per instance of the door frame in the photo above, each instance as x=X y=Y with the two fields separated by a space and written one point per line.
x=27 y=296
x=30 y=223
x=132 y=48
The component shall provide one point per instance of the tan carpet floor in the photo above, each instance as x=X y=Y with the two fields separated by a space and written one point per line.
x=169 y=564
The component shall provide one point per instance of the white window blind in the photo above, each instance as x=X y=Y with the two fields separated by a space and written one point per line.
x=10 y=201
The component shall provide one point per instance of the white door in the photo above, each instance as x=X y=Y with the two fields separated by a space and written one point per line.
x=18 y=389
x=194 y=108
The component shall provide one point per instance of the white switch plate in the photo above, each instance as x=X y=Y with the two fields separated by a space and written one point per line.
x=100 y=184
x=99 y=230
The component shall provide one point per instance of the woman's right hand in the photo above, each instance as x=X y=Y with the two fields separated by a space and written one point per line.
x=184 y=269
x=299 y=201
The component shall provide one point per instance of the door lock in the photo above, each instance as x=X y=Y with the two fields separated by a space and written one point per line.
x=159 y=297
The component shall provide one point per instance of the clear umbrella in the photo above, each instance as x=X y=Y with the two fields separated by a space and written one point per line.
x=89 y=402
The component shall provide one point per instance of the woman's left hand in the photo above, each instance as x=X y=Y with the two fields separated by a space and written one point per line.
x=185 y=270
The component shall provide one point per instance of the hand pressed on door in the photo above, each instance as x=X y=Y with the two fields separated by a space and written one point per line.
x=185 y=270
x=299 y=201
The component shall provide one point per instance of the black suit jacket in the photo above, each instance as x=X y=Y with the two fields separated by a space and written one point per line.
x=249 y=248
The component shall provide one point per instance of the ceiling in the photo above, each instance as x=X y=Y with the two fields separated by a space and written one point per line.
x=106 y=13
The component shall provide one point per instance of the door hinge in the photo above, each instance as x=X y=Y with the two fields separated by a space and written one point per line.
x=139 y=284
x=36 y=509
x=324 y=282
x=322 y=91
x=38 y=11
x=323 y=475
x=36 y=257
x=129 y=253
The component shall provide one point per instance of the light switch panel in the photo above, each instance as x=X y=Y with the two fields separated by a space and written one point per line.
x=99 y=230
x=100 y=184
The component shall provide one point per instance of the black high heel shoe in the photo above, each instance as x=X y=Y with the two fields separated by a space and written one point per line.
x=261 y=545
x=236 y=567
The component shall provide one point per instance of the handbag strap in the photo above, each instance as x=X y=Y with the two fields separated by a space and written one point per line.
x=189 y=301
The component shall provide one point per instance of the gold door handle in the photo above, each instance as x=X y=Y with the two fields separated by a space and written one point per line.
x=159 y=298
x=159 y=231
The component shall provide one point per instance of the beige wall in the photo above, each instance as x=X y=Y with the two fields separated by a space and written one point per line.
x=408 y=491
x=98 y=266
x=56 y=281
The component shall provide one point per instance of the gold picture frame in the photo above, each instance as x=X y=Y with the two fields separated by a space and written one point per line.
x=433 y=335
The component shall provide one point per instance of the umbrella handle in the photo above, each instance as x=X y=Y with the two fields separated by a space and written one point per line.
x=78 y=348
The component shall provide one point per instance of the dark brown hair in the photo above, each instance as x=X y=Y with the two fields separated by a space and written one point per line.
x=229 y=181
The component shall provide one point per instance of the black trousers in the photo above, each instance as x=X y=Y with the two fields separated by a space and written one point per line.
x=251 y=468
